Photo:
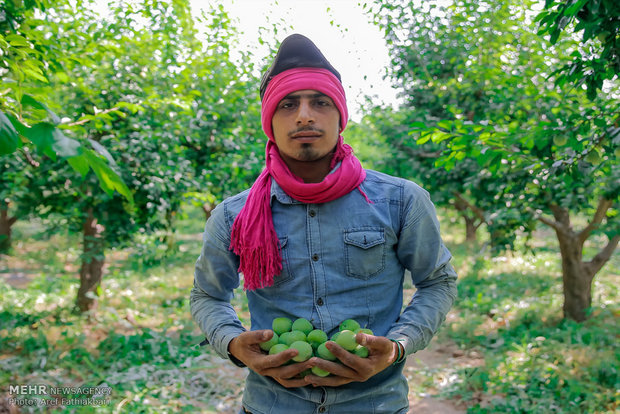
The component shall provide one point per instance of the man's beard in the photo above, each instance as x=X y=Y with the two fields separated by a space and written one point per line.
x=308 y=153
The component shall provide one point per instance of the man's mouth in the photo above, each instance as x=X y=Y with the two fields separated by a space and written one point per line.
x=306 y=134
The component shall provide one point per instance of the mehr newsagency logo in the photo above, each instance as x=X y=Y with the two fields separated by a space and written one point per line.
x=30 y=395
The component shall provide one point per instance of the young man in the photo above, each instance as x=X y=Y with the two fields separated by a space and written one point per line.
x=319 y=237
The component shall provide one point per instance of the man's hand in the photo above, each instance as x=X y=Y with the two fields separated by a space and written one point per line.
x=245 y=348
x=381 y=354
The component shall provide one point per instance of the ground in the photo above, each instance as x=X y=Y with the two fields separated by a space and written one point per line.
x=439 y=359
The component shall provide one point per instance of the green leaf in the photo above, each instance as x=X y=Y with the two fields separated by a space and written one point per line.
x=28 y=100
x=423 y=139
x=445 y=124
x=42 y=136
x=417 y=125
x=16 y=40
x=440 y=136
x=101 y=150
x=109 y=180
x=79 y=163
x=541 y=15
x=9 y=139
x=64 y=146
x=573 y=9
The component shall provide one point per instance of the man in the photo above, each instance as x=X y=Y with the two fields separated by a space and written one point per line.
x=319 y=237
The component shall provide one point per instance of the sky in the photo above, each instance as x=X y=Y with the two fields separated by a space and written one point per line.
x=340 y=29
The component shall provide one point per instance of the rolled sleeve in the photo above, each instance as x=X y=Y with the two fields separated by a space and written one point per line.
x=422 y=251
x=215 y=278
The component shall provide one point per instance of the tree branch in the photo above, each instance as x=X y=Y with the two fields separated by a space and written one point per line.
x=87 y=120
x=598 y=261
x=420 y=154
x=29 y=158
x=599 y=215
x=551 y=223
x=478 y=212
x=562 y=219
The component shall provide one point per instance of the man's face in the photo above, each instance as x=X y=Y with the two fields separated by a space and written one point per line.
x=306 y=126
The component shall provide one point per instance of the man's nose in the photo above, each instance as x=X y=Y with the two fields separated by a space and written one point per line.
x=305 y=113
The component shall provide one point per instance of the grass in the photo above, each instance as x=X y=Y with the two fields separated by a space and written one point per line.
x=510 y=311
x=142 y=342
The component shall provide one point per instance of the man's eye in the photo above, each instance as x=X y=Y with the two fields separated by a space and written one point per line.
x=286 y=105
x=323 y=102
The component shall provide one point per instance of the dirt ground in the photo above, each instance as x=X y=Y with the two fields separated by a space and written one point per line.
x=440 y=358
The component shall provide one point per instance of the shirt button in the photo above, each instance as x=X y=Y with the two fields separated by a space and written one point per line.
x=312 y=213
x=319 y=301
x=315 y=257
x=322 y=409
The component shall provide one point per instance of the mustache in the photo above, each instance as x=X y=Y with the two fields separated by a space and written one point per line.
x=308 y=128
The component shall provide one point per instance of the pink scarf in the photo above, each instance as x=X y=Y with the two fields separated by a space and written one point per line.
x=253 y=236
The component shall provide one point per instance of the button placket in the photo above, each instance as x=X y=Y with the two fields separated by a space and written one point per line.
x=314 y=243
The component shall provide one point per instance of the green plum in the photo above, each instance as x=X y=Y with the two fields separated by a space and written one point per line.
x=316 y=338
x=293 y=336
x=303 y=325
x=320 y=372
x=283 y=339
x=323 y=352
x=281 y=325
x=304 y=349
x=346 y=339
x=277 y=348
x=361 y=351
x=266 y=346
x=349 y=325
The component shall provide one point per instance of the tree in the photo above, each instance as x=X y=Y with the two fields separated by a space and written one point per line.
x=598 y=59
x=27 y=126
x=450 y=69
x=25 y=120
x=551 y=152
x=149 y=58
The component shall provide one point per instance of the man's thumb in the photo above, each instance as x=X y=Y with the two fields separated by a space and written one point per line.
x=261 y=335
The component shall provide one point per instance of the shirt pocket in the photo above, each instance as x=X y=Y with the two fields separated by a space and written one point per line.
x=364 y=251
x=286 y=273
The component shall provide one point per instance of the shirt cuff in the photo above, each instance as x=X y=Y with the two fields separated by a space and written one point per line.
x=409 y=345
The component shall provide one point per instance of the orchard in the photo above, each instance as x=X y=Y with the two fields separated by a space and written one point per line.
x=123 y=124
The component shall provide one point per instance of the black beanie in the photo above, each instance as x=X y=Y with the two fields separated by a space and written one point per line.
x=296 y=51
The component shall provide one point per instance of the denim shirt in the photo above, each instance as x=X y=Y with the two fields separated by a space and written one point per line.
x=344 y=259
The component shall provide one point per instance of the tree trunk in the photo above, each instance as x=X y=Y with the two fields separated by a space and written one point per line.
x=577 y=275
x=473 y=216
x=577 y=281
x=6 y=223
x=93 y=259
x=470 y=229
x=170 y=238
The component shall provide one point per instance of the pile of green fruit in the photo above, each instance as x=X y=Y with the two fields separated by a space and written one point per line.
x=309 y=342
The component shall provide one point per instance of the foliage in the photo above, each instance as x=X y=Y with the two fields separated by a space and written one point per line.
x=599 y=57
x=465 y=63
x=26 y=122
x=173 y=114
x=476 y=76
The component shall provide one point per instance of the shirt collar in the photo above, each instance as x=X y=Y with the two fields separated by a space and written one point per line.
x=279 y=194
x=282 y=197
